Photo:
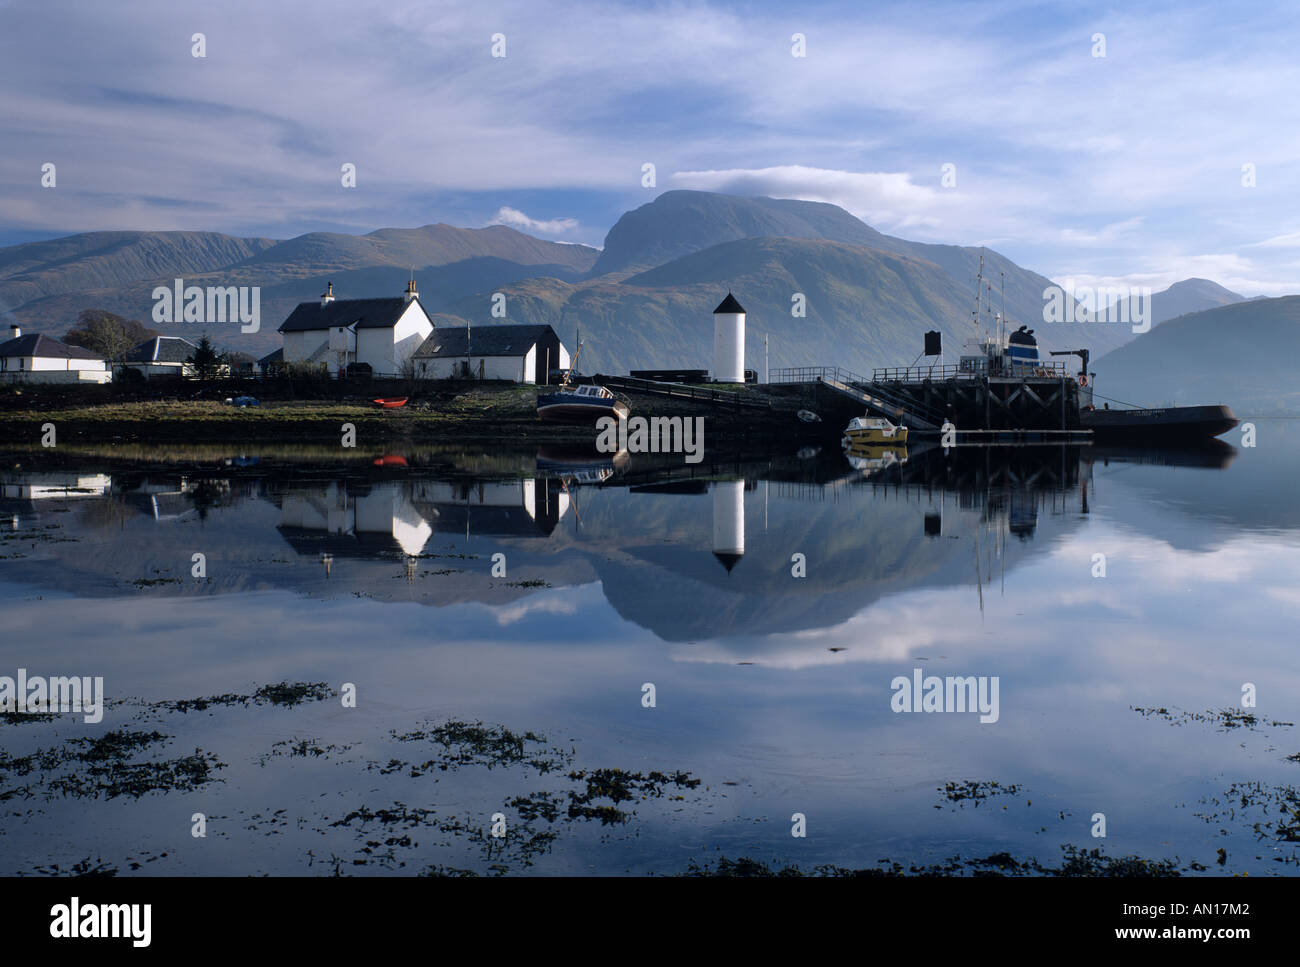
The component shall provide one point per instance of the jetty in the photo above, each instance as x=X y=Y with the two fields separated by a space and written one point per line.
x=1042 y=404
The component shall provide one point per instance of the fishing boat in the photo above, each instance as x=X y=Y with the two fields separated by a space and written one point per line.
x=389 y=402
x=580 y=404
x=873 y=431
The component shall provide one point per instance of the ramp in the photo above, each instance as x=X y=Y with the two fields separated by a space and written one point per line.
x=898 y=411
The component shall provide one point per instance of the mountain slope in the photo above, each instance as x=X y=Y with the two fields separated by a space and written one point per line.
x=1242 y=354
x=1189 y=295
x=46 y=284
x=677 y=223
x=95 y=260
x=440 y=244
x=864 y=307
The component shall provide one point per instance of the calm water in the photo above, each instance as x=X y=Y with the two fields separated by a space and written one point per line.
x=522 y=694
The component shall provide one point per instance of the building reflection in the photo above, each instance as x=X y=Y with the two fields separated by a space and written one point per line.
x=399 y=518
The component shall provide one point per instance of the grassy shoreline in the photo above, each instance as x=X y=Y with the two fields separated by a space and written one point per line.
x=483 y=414
x=284 y=421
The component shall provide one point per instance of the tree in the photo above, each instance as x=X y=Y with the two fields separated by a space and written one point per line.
x=206 y=360
x=107 y=333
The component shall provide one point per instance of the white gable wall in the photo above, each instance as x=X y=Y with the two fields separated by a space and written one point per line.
x=387 y=349
x=299 y=345
x=492 y=367
x=49 y=369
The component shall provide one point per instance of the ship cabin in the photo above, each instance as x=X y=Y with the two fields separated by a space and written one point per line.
x=990 y=357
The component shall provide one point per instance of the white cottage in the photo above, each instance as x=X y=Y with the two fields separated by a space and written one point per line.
x=162 y=356
x=382 y=333
x=520 y=353
x=38 y=358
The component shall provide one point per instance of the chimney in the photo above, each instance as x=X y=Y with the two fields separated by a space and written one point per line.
x=14 y=331
x=328 y=297
x=410 y=291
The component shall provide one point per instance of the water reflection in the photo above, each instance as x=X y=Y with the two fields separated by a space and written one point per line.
x=773 y=680
x=863 y=530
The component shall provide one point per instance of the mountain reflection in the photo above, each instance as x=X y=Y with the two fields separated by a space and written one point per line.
x=760 y=546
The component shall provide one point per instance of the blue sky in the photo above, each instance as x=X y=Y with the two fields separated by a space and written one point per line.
x=1126 y=168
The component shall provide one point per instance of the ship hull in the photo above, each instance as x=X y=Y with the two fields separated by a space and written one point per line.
x=1179 y=423
x=556 y=409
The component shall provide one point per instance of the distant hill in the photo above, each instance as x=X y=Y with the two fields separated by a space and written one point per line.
x=645 y=300
x=44 y=285
x=679 y=223
x=862 y=305
x=1243 y=354
x=865 y=307
x=111 y=260
x=1189 y=295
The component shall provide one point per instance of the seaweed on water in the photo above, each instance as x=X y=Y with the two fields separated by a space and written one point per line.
x=1076 y=862
x=104 y=766
x=1224 y=719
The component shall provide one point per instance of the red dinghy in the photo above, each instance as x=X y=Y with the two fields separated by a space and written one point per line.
x=390 y=402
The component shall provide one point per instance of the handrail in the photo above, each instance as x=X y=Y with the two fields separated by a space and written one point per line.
x=905 y=374
x=681 y=391
x=836 y=374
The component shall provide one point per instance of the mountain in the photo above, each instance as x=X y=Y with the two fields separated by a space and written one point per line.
x=644 y=301
x=679 y=223
x=105 y=260
x=1242 y=354
x=861 y=304
x=1189 y=295
x=864 y=307
x=44 y=285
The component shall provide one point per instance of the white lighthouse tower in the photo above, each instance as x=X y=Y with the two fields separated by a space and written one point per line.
x=729 y=522
x=729 y=341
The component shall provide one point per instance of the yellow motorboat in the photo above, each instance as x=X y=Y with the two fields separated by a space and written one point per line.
x=874 y=431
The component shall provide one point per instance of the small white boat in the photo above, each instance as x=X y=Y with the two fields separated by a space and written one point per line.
x=873 y=430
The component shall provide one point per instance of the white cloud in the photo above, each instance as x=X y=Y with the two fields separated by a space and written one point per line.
x=514 y=218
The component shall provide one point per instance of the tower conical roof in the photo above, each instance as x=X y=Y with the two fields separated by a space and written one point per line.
x=729 y=304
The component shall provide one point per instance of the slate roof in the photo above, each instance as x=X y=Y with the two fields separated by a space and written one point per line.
x=363 y=313
x=272 y=357
x=39 y=344
x=483 y=341
x=162 y=349
x=729 y=304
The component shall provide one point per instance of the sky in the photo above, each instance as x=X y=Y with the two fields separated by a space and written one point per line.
x=1174 y=155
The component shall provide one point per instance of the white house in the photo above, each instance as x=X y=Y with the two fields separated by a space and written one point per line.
x=523 y=354
x=161 y=356
x=38 y=358
x=383 y=333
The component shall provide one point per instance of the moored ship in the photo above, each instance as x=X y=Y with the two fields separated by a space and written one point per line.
x=580 y=404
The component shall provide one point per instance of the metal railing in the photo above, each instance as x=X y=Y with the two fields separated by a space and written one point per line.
x=837 y=374
x=682 y=391
x=919 y=374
